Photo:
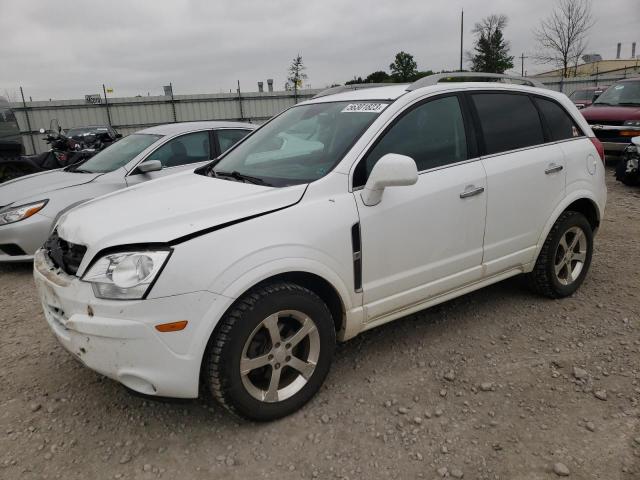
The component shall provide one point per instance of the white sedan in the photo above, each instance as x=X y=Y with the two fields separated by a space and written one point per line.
x=30 y=206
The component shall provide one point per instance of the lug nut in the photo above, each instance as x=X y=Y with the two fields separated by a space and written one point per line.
x=270 y=357
x=288 y=345
x=277 y=345
x=288 y=358
x=277 y=366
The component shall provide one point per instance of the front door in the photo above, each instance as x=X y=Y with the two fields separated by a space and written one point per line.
x=177 y=154
x=423 y=240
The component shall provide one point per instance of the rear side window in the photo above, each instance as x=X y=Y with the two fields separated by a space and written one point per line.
x=432 y=134
x=560 y=123
x=508 y=121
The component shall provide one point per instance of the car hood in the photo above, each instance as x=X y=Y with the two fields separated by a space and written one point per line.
x=37 y=186
x=605 y=113
x=168 y=209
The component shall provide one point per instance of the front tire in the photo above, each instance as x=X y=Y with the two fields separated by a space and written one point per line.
x=565 y=257
x=271 y=352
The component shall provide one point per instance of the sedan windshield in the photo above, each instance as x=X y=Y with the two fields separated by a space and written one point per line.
x=118 y=154
x=624 y=93
x=301 y=145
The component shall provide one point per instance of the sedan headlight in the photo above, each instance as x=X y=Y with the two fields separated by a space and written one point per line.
x=125 y=275
x=632 y=123
x=15 y=214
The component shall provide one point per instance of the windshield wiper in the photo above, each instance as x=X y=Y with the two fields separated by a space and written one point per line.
x=241 y=177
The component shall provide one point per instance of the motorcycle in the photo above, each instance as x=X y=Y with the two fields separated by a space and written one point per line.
x=628 y=168
x=64 y=151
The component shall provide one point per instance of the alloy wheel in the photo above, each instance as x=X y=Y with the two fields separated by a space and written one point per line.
x=280 y=356
x=570 y=256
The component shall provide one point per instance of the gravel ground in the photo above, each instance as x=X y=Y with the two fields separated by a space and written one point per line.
x=499 y=384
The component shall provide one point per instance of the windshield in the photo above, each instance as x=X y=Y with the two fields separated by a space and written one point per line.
x=624 y=93
x=301 y=145
x=583 y=95
x=118 y=154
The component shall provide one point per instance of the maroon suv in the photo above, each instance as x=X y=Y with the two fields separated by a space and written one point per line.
x=615 y=115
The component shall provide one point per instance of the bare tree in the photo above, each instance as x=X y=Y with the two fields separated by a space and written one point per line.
x=562 y=36
x=296 y=75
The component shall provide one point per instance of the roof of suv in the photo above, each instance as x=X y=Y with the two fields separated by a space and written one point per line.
x=393 y=92
x=183 y=127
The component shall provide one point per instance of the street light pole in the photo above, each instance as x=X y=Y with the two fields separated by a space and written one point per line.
x=461 y=36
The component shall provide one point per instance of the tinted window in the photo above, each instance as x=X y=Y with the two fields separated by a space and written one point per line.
x=560 y=124
x=228 y=138
x=508 y=121
x=432 y=134
x=190 y=148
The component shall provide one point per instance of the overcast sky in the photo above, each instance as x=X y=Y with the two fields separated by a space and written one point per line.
x=67 y=48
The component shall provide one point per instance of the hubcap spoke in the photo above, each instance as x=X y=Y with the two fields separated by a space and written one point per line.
x=274 y=383
x=249 y=364
x=563 y=244
x=306 y=329
x=576 y=239
x=271 y=324
x=580 y=256
x=560 y=266
x=305 y=368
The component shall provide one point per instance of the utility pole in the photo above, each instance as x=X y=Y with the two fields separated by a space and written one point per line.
x=106 y=104
x=461 y=35
x=522 y=65
x=240 y=102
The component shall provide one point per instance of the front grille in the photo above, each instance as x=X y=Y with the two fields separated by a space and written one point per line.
x=64 y=255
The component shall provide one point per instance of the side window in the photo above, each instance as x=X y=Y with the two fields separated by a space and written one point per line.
x=432 y=134
x=190 y=148
x=508 y=121
x=228 y=138
x=560 y=124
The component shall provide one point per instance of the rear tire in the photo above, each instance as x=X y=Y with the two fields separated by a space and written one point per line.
x=565 y=257
x=271 y=352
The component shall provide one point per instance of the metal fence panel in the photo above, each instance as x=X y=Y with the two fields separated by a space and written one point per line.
x=135 y=113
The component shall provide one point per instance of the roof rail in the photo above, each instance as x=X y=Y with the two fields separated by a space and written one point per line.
x=473 y=76
x=346 y=88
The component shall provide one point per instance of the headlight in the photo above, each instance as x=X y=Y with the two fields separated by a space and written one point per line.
x=15 y=214
x=125 y=275
x=632 y=123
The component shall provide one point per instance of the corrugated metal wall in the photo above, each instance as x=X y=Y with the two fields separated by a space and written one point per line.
x=131 y=114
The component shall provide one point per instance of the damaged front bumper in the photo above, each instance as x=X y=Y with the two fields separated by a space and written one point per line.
x=118 y=338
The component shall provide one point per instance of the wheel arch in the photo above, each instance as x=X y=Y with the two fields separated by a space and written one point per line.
x=583 y=202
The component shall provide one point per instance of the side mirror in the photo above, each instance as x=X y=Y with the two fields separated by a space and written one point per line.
x=392 y=170
x=636 y=141
x=118 y=135
x=150 y=166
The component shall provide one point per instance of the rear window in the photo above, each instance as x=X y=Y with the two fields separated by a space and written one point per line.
x=560 y=123
x=508 y=121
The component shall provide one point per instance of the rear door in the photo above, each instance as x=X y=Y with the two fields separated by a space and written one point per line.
x=525 y=176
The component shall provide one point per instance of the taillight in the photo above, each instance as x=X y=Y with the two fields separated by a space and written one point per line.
x=598 y=144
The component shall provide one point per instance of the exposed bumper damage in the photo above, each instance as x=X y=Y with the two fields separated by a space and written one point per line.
x=118 y=338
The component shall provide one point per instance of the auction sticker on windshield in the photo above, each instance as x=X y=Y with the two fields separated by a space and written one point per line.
x=364 y=108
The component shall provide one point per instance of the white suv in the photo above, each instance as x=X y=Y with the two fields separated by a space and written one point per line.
x=340 y=214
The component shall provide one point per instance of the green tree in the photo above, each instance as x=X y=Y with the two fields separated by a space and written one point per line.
x=296 y=74
x=378 y=77
x=491 y=50
x=404 y=67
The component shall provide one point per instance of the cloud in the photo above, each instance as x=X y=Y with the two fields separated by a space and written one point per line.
x=66 y=48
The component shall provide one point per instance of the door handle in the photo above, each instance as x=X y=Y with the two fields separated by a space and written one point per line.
x=553 y=168
x=471 y=191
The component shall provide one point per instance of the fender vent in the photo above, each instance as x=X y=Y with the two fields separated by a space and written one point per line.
x=356 y=246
